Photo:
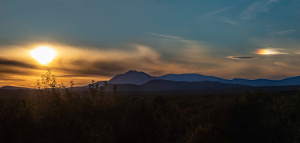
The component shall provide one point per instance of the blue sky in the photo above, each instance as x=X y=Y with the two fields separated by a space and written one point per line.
x=158 y=36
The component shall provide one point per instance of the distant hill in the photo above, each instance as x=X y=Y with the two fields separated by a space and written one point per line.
x=12 y=87
x=131 y=77
x=267 y=82
x=191 y=78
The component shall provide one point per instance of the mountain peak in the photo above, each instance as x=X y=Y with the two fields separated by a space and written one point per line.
x=133 y=71
x=131 y=77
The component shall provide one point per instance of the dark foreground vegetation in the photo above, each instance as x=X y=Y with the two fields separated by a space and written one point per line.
x=63 y=115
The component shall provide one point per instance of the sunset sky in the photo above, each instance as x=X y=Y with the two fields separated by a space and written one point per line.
x=96 y=39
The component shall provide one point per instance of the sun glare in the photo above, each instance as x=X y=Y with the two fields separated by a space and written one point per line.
x=43 y=54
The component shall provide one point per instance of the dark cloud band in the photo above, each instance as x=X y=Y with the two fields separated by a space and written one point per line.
x=6 y=62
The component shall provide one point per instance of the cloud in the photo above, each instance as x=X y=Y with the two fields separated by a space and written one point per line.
x=4 y=71
x=226 y=20
x=278 y=45
x=270 y=25
x=83 y=64
x=271 y=1
x=188 y=43
x=257 y=7
x=183 y=50
x=218 y=11
x=270 y=51
x=281 y=64
x=229 y=21
x=94 y=68
x=6 y=62
x=108 y=63
x=243 y=57
x=11 y=79
x=283 y=32
x=171 y=37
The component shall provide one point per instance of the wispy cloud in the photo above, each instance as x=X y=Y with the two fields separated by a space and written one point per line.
x=257 y=7
x=172 y=37
x=281 y=64
x=269 y=25
x=220 y=18
x=243 y=57
x=166 y=36
x=218 y=11
x=183 y=50
x=283 y=32
x=271 y=1
x=229 y=21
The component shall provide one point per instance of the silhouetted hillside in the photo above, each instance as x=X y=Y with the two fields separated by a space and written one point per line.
x=12 y=87
x=131 y=77
x=267 y=82
x=190 y=77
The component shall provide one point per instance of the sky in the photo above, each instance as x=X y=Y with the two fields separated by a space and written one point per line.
x=97 y=39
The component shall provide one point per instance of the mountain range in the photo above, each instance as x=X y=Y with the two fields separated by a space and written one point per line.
x=139 y=78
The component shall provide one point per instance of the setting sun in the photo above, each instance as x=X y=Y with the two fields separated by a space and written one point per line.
x=43 y=54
